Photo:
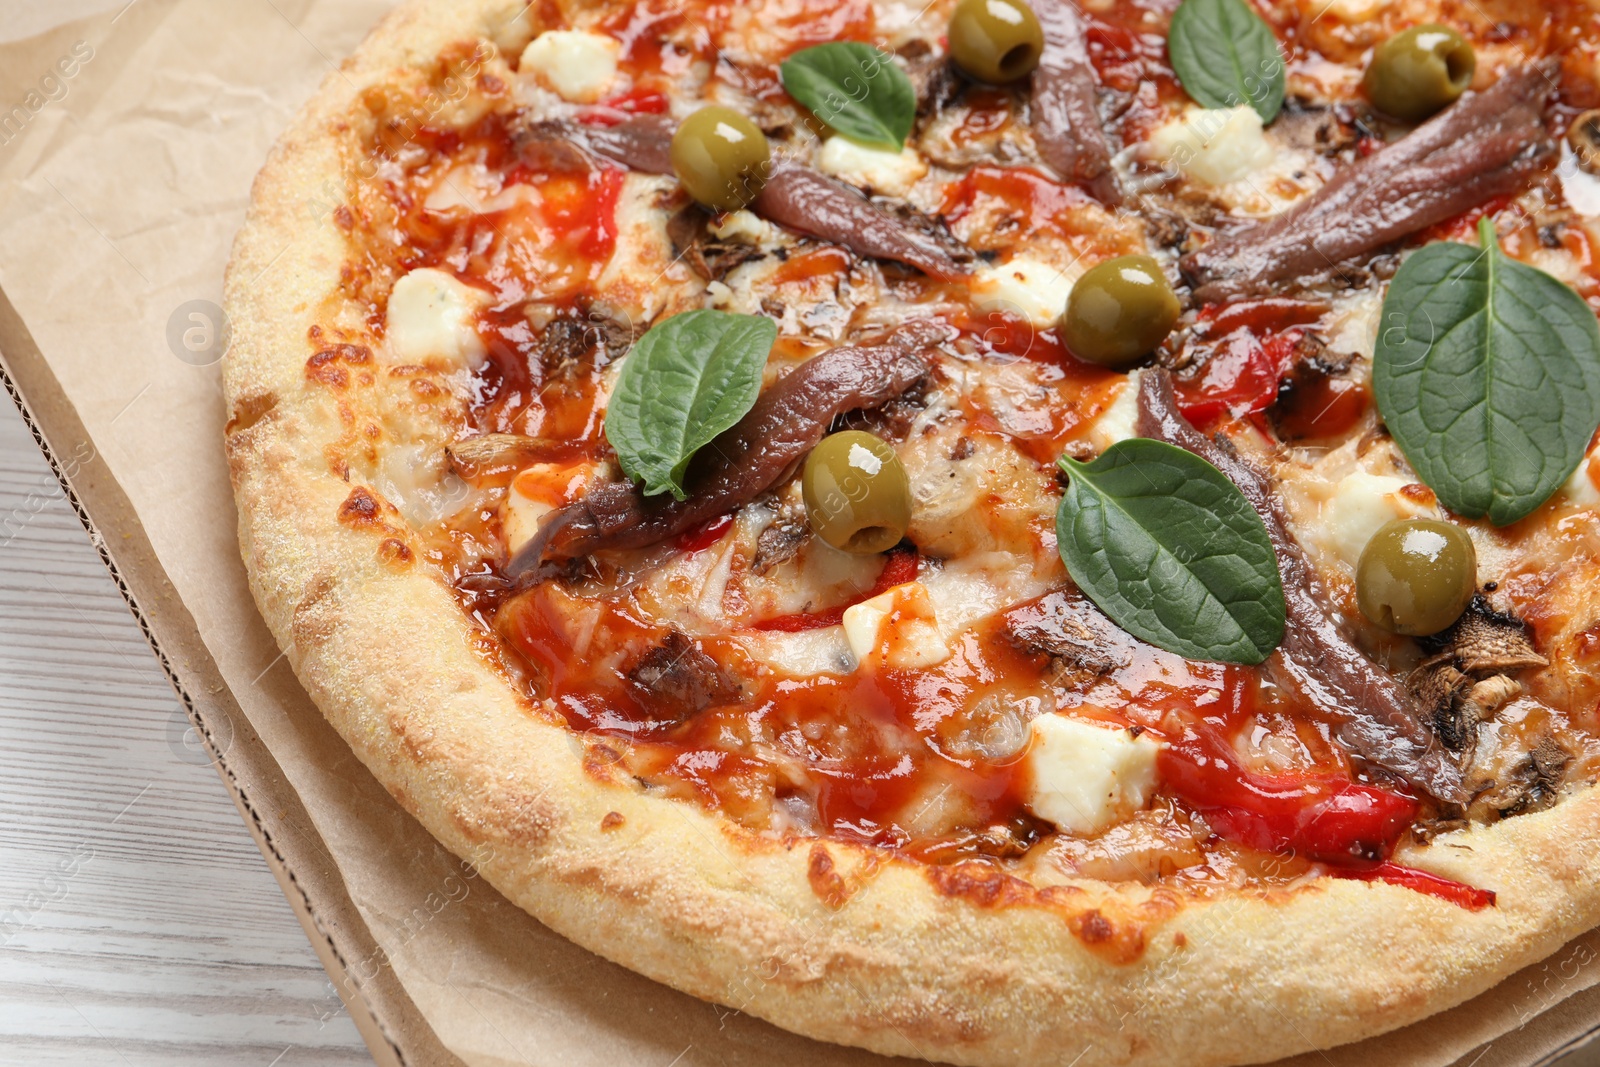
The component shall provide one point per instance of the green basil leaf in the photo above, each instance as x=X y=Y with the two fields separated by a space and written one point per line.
x=854 y=88
x=1226 y=56
x=1170 y=549
x=1487 y=373
x=686 y=380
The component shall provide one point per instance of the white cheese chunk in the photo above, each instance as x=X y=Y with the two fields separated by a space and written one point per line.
x=1214 y=146
x=897 y=628
x=1581 y=188
x=535 y=492
x=1361 y=504
x=1118 y=422
x=879 y=169
x=579 y=66
x=433 y=314
x=1087 y=776
x=1026 y=287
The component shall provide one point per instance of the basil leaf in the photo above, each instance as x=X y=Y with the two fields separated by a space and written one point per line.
x=1170 y=549
x=686 y=380
x=1225 y=55
x=1487 y=373
x=854 y=88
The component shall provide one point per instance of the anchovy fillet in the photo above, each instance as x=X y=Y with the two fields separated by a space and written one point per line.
x=794 y=195
x=1376 y=716
x=1485 y=144
x=786 y=422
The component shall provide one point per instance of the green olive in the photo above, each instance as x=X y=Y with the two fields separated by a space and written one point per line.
x=1418 y=72
x=857 y=493
x=721 y=158
x=995 y=41
x=1119 y=311
x=1416 y=576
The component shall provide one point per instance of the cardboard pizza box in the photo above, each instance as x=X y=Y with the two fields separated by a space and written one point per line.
x=128 y=140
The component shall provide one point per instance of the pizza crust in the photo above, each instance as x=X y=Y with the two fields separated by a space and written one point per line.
x=958 y=964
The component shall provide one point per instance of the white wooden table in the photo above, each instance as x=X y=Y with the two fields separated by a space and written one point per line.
x=139 y=926
x=138 y=923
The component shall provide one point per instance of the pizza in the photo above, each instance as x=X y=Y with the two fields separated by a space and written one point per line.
x=1002 y=532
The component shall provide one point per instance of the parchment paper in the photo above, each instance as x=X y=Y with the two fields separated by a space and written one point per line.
x=127 y=145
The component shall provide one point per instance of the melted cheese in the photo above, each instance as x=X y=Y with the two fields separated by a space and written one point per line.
x=897 y=628
x=1118 y=422
x=471 y=187
x=579 y=66
x=642 y=278
x=1214 y=146
x=431 y=314
x=1023 y=286
x=978 y=584
x=1353 y=323
x=878 y=169
x=414 y=478
x=536 y=491
x=1087 y=776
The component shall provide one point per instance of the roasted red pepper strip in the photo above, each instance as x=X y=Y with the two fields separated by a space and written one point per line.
x=1457 y=893
x=620 y=108
x=1324 y=817
x=1348 y=825
x=898 y=569
x=1251 y=345
x=701 y=537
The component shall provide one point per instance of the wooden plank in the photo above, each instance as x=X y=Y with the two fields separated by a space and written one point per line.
x=138 y=922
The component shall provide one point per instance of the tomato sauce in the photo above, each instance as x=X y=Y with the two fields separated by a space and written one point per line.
x=825 y=262
x=661 y=40
x=868 y=738
x=876 y=741
x=549 y=246
x=1028 y=201
x=1078 y=391
x=1128 y=46
x=863 y=754
x=988 y=112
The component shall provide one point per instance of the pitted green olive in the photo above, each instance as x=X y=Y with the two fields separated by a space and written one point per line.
x=995 y=41
x=857 y=493
x=1119 y=311
x=1416 y=576
x=721 y=158
x=1419 y=72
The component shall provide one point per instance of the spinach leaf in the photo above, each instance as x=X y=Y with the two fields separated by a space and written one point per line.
x=1487 y=373
x=854 y=88
x=688 y=379
x=1170 y=549
x=1226 y=56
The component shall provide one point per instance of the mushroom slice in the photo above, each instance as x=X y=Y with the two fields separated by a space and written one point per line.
x=492 y=455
